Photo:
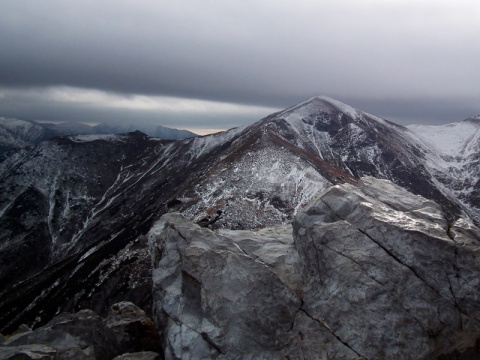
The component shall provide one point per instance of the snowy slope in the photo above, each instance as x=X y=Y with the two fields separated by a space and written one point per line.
x=16 y=133
x=263 y=187
x=454 y=159
x=81 y=205
x=456 y=139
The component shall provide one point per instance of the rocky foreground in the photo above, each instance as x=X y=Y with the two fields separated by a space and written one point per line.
x=125 y=334
x=371 y=272
x=367 y=271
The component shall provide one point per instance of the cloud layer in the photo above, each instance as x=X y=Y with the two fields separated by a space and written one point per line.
x=410 y=61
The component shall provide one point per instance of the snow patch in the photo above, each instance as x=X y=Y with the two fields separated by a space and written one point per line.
x=263 y=188
x=450 y=139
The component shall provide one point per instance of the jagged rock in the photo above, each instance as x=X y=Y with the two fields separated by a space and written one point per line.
x=219 y=297
x=384 y=276
x=372 y=271
x=85 y=335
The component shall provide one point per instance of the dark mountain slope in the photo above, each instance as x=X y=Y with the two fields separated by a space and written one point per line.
x=74 y=211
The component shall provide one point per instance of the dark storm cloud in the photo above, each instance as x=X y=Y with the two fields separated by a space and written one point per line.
x=421 y=110
x=399 y=58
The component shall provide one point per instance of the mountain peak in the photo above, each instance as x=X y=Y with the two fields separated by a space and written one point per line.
x=321 y=104
x=76 y=202
x=331 y=111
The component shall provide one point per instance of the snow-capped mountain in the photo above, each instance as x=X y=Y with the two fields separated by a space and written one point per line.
x=74 y=210
x=289 y=156
x=16 y=133
x=454 y=159
x=149 y=129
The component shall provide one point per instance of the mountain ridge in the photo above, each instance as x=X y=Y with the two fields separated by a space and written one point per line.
x=84 y=204
x=15 y=133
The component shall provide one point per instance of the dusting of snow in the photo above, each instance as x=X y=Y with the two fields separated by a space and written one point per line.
x=317 y=103
x=319 y=140
x=452 y=157
x=94 y=137
x=450 y=139
x=51 y=209
x=16 y=133
x=356 y=132
x=263 y=188
x=344 y=108
x=325 y=104
x=203 y=144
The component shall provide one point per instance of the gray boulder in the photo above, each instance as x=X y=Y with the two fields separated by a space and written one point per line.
x=85 y=335
x=73 y=336
x=386 y=274
x=371 y=271
x=217 y=297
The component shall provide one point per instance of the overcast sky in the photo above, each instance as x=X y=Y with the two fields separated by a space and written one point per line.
x=217 y=64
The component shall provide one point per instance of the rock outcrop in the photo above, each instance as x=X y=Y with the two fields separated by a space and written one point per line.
x=74 y=211
x=371 y=271
x=85 y=335
x=387 y=275
x=367 y=271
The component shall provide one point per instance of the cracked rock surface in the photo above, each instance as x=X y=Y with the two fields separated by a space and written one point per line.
x=369 y=271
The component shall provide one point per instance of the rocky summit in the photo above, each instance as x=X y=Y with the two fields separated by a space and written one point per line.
x=370 y=271
x=273 y=240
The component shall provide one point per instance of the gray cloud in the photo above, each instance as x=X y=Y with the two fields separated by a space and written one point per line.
x=410 y=61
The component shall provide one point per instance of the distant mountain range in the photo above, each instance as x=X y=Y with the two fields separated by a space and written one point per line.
x=15 y=133
x=75 y=210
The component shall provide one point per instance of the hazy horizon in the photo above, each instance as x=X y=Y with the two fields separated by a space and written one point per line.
x=198 y=131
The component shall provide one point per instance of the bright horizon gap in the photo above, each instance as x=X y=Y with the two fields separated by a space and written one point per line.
x=201 y=131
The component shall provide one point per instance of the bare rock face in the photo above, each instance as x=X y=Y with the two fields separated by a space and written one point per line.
x=385 y=273
x=85 y=335
x=371 y=271
x=216 y=296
